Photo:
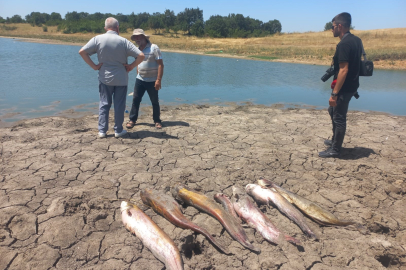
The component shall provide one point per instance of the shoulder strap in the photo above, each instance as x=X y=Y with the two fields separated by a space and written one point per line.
x=363 y=51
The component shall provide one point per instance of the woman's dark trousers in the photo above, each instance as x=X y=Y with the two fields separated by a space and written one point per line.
x=139 y=91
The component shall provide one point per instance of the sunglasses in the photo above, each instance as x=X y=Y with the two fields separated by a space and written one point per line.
x=332 y=27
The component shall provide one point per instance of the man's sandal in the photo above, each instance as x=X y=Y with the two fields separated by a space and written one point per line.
x=158 y=125
x=130 y=124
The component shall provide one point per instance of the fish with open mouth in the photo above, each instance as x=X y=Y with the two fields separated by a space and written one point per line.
x=310 y=208
x=268 y=195
x=249 y=213
x=155 y=239
x=205 y=204
x=167 y=206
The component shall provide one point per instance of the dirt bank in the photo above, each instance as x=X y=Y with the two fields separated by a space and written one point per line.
x=55 y=172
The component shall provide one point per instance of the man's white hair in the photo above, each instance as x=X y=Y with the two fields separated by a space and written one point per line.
x=111 y=23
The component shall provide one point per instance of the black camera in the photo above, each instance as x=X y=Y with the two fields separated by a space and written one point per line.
x=329 y=72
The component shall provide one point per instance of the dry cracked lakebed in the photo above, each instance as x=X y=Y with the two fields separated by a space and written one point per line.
x=58 y=182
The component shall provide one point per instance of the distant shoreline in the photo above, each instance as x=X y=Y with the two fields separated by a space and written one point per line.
x=226 y=55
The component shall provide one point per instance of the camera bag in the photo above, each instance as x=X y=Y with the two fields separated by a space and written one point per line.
x=366 y=67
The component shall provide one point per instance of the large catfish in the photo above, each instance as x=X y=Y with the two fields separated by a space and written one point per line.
x=209 y=206
x=268 y=195
x=311 y=209
x=249 y=212
x=167 y=206
x=155 y=239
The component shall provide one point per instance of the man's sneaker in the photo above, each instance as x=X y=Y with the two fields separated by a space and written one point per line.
x=329 y=153
x=102 y=135
x=121 y=134
x=328 y=142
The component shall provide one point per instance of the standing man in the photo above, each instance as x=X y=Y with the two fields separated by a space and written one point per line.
x=346 y=60
x=112 y=52
x=148 y=79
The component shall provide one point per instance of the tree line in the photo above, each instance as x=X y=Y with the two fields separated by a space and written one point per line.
x=190 y=21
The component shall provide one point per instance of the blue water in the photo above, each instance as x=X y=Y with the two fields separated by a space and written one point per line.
x=45 y=79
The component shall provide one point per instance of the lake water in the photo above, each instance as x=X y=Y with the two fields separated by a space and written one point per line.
x=45 y=79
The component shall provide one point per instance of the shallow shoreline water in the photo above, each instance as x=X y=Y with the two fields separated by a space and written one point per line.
x=294 y=61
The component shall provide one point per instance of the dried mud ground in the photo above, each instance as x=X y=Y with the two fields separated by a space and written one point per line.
x=55 y=173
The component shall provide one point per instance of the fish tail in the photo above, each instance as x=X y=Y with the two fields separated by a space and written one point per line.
x=292 y=240
x=345 y=223
x=311 y=234
x=250 y=246
x=243 y=240
x=200 y=230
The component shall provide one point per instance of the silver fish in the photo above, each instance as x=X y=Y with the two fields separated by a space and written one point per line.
x=249 y=213
x=155 y=239
x=310 y=208
x=267 y=195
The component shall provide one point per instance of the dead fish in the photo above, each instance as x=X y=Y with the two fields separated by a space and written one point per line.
x=226 y=203
x=267 y=195
x=209 y=206
x=168 y=207
x=155 y=239
x=254 y=217
x=311 y=209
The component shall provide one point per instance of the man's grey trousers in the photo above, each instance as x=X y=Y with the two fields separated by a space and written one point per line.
x=109 y=93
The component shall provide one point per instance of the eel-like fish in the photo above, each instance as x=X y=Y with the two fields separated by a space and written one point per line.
x=167 y=206
x=267 y=195
x=254 y=217
x=155 y=239
x=310 y=208
x=226 y=203
x=209 y=206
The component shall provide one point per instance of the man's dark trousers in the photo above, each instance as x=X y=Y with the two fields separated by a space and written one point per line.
x=338 y=116
x=139 y=91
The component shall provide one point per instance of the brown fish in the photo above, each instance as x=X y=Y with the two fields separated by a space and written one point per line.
x=254 y=217
x=267 y=195
x=310 y=208
x=155 y=239
x=167 y=207
x=209 y=206
x=226 y=203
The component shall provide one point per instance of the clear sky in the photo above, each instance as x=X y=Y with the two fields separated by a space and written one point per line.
x=294 y=15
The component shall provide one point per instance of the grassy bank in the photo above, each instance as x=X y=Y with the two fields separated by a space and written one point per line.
x=386 y=47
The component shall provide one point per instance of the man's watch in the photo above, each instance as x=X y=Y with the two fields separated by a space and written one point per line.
x=334 y=94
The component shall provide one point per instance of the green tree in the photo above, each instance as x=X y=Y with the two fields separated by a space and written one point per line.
x=54 y=19
x=155 y=22
x=197 y=29
x=168 y=19
x=142 y=20
x=328 y=26
x=2 y=20
x=273 y=27
x=37 y=18
x=186 y=18
x=75 y=16
x=216 y=27
x=16 y=19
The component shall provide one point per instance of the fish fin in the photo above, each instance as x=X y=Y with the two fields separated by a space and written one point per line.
x=292 y=240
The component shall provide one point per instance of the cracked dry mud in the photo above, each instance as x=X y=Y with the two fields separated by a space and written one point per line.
x=55 y=174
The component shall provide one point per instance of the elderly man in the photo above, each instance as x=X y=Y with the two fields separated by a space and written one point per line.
x=148 y=79
x=112 y=52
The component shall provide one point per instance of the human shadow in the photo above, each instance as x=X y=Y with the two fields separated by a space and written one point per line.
x=142 y=134
x=166 y=124
x=355 y=153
